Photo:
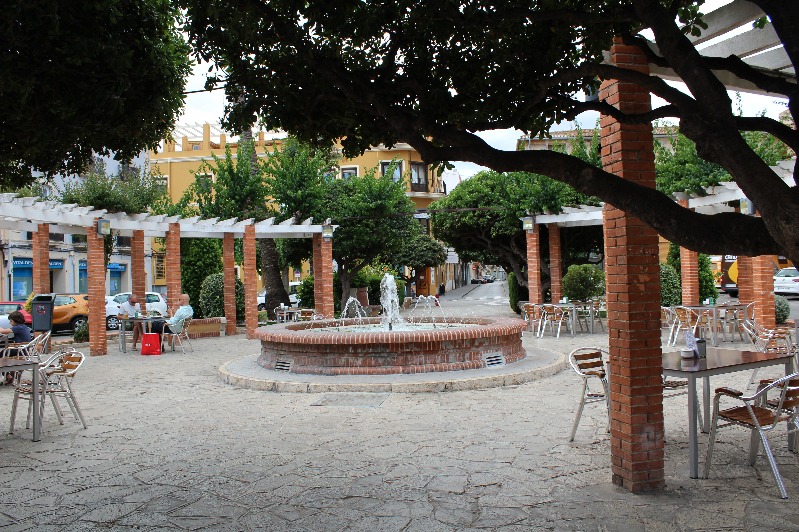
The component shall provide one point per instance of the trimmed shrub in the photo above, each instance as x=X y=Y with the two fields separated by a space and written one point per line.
x=513 y=293
x=212 y=296
x=81 y=333
x=707 y=281
x=583 y=281
x=782 y=310
x=670 y=288
x=305 y=292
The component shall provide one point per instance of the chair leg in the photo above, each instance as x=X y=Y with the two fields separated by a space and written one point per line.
x=58 y=414
x=579 y=409
x=711 y=441
x=74 y=402
x=754 y=446
x=14 y=411
x=773 y=463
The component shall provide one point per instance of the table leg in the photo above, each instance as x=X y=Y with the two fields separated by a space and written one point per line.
x=123 y=335
x=789 y=368
x=693 y=442
x=715 y=327
x=37 y=420
x=706 y=404
x=591 y=317
x=573 y=319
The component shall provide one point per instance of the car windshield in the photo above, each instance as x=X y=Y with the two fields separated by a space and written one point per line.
x=8 y=309
x=788 y=272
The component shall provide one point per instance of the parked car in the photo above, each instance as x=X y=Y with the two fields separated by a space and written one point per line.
x=70 y=311
x=7 y=307
x=111 y=311
x=786 y=281
x=155 y=302
x=293 y=298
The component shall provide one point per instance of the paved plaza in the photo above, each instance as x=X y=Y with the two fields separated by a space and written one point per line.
x=170 y=446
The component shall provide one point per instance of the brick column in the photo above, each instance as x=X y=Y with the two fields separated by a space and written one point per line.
x=323 y=276
x=95 y=273
x=173 y=282
x=689 y=272
x=138 y=274
x=555 y=262
x=745 y=292
x=633 y=280
x=229 y=273
x=763 y=291
x=41 y=259
x=250 y=282
x=534 y=265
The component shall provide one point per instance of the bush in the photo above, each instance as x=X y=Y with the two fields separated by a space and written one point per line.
x=583 y=281
x=305 y=292
x=670 y=289
x=707 y=281
x=81 y=333
x=28 y=306
x=263 y=316
x=782 y=310
x=212 y=296
x=513 y=293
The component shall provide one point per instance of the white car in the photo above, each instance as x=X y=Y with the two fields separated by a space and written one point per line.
x=155 y=302
x=111 y=311
x=787 y=281
x=293 y=298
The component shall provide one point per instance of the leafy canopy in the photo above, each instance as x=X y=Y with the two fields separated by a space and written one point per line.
x=80 y=78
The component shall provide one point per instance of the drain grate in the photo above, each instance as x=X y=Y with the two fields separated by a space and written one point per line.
x=283 y=365
x=494 y=359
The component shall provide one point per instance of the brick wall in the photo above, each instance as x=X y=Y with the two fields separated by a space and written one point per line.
x=689 y=272
x=633 y=280
x=95 y=272
x=555 y=262
x=745 y=292
x=41 y=259
x=763 y=291
x=173 y=281
x=250 y=275
x=229 y=272
x=323 y=275
x=534 y=265
x=138 y=274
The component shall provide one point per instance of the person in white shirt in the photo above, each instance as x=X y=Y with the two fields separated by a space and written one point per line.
x=131 y=307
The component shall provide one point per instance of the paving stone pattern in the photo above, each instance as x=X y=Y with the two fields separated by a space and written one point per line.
x=169 y=446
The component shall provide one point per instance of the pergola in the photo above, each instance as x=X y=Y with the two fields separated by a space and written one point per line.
x=41 y=216
x=631 y=247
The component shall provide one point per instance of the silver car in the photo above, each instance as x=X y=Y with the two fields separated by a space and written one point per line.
x=787 y=281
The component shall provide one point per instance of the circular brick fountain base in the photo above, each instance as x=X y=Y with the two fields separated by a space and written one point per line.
x=303 y=348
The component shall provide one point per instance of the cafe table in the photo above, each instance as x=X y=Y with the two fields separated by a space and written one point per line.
x=285 y=314
x=572 y=307
x=713 y=312
x=14 y=364
x=123 y=330
x=718 y=362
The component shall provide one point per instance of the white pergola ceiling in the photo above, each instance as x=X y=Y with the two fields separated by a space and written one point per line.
x=24 y=214
x=730 y=31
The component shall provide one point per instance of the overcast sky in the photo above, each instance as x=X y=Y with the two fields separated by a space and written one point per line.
x=209 y=107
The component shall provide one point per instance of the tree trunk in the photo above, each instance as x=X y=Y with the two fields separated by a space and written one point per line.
x=273 y=279
x=345 y=277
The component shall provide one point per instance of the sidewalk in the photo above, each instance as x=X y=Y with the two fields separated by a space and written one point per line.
x=170 y=446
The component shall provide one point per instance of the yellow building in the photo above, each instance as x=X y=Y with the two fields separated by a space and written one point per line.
x=180 y=160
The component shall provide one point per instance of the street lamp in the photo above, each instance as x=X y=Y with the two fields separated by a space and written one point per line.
x=528 y=222
x=103 y=227
x=327 y=229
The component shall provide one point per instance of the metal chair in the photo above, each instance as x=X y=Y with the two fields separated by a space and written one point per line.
x=532 y=314
x=731 y=320
x=759 y=416
x=766 y=340
x=306 y=314
x=553 y=315
x=179 y=337
x=589 y=363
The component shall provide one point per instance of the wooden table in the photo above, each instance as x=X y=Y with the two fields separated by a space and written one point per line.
x=123 y=330
x=717 y=362
x=13 y=364
x=286 y=314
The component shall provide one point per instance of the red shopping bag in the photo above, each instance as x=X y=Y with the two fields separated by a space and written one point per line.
x=150 y=344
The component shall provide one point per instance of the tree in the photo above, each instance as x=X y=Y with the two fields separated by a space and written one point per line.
x=199 y=258
x=420 y=251
x=84 y=78
x=707 y=281
x=433 y=75
x=374 y=218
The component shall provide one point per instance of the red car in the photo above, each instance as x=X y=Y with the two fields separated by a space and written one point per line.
x=7 y=307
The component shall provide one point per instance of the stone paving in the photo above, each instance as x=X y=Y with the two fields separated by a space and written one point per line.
x=170 y=446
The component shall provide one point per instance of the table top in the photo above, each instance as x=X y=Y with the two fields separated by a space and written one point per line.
x=150 y=318
x=14 y=362
x=719 y=359
x=721 y=307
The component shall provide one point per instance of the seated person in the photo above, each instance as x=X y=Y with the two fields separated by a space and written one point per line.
x=131 y=307
x=20 y=333
x=174 y=325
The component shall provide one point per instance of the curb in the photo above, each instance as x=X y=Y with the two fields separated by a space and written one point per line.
x=448 y=381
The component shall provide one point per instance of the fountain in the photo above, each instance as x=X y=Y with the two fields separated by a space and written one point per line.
x=390 y=343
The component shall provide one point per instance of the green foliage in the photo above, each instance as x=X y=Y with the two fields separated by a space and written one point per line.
x=29 y=302
x=305 y=292
x=680 y=169
x=263 y=316
x=420 y=251
x=81 y=333
x=199 y=257
x=212 y=296
x=707 y=281
x=84 y=78
x=670 y=289
x=513 y=293
x=583 y=281
x=782 y=309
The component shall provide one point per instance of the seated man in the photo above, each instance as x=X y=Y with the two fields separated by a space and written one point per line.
x=19 y=333
x=175 y=324
x=131 y=307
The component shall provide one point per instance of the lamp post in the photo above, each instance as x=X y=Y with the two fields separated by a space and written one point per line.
x=327 y=229
x=528 y=222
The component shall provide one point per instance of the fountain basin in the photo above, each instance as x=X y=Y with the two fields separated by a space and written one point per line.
x=315 y=348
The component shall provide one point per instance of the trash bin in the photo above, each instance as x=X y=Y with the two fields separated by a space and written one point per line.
x=42 y=312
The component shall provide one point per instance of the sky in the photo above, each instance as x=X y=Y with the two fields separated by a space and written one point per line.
x=209 y=107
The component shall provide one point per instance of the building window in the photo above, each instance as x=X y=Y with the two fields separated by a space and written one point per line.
x=204 y=181
x=161 y=183
x=397 y=175
x=195 y=147
x=122 y=242
x=425 y=223
x=56 y=237
x=349 y=171
x=418 y=177
x=159 y=265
